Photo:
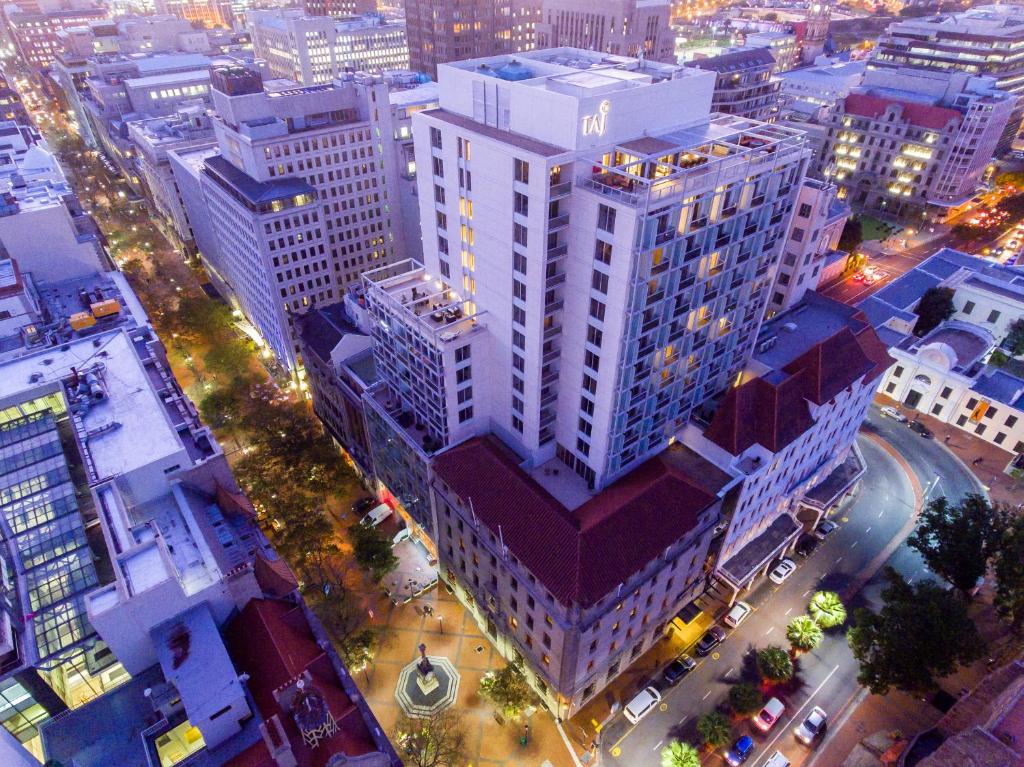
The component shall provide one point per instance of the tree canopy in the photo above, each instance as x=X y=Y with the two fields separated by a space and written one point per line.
x=1008 y=566
x=372 y=550
x=1015 y=337
x=435 y=741
x=852 y=236
x=507 y=690
x=745 y=699
x=804 y=633
x=921 y=634
x=679 y=754
x=956 y=540
x=934 y=307
x=827 y=609
x=714 y=729
x=774 y=664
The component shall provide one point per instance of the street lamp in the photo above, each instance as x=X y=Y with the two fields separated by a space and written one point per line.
x=440 y=623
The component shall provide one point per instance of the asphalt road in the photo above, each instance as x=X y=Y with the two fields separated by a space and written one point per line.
x=827 y=676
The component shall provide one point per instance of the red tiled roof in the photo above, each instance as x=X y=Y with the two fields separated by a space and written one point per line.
x=922 y=115
x=773 y=410
x=271 y=641
x=579 y=555
x=274 y=576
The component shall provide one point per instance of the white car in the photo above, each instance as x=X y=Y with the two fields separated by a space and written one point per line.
x=812 y=727
x=769 y=715
x=645 y=701
x=737 y=614
x=784 y=569
x=890 y=412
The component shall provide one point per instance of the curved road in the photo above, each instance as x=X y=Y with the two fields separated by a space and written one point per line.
x=879 y=515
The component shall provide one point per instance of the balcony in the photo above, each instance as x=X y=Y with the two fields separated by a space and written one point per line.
x=554 y=280
x=552 y=332
x=560 y=190
x=558 y=251
x=554 y=306
x=558 y=222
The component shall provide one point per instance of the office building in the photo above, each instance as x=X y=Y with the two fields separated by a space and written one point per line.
x=11 y=105
x=465 y=29
x=783 y=47
x=301 y=198
x=811 y=243
x=914 y=143
x=201 y=13
x=953 y=373
x=317 y=49
x=152 y=139
x=637 y=28
x=744 y=85
x=339 y=7
x=984 y=40
x=35 y=32
x=821 y=85
x=787 y=432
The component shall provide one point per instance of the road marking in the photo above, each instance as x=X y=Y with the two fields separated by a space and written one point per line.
x=769 y=631
x=807 y=592
x=881 y=513
x=839 y=560
x=854 y=544
x=868 y=530
x=788 y=611
x=706 y=695
x=682 y=720
x=657 y=745
x=731 y=668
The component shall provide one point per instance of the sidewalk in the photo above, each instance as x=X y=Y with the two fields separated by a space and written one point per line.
x=1002 y=488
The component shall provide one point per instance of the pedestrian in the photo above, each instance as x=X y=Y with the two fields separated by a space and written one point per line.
x=976 y=461
x=946 y=439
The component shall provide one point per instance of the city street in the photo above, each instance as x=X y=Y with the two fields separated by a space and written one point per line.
x=871 y=524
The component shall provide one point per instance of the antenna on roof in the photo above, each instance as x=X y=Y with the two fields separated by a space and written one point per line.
x=472 y=511
x=504 y=549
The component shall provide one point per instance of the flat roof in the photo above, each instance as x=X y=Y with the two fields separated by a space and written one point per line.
x=171 y=78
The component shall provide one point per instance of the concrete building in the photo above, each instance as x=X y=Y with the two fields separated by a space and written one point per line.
x=465 y=29
x=912 y=143
x=201 y=13
x=811 y=243
x=339 y=7
x=783 y=47
x=787 y=431
x=301 y=197
x=153 y=138
x=823 y=84
x=317 y=49
x=636 y=28
x=35 y=32
x=950 y=373
x=984 y=40
x=744 y=85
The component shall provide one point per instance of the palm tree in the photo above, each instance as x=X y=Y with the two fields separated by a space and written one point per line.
x=803 y=633
x=714 y=729
x=679 y=754
x=745 y=699
x=827 y=609
x=775 y=664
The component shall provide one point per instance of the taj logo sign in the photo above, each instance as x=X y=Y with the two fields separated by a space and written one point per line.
x=595 y=124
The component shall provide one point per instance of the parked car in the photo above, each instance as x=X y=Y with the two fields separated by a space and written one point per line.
x=890 y=412
x=711 y=639
x=772 y=711
x=737 y=614
x=363 y=505
x=778 y=759
x=921 y=429
x=812 y=727
x=784 y=569
x=377 y=515
x=740 y=751
x=678 y=668
x=824 y=529
x=642 y=704
x=806 y=545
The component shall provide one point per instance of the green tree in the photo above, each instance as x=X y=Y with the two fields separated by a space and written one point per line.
x=714 y=729
x=852 y=236
x=679 y=754
x=774 y=664
x=1008 y=566
x=804 y=633
x=1015 y=337
x=827 y=609
x=922 y=633
x=933 y=308
x=745 y=699
x=345 y=623
x=435 y=741
x=227 y=357
x=956 y=540
x=507 y=690
x=372 y=550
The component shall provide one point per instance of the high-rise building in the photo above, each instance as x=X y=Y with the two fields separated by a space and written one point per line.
x=301 y=197
x=915 y=143
x=811 y=242
x=638 y=28
x=638 y=275
x=744 y=85
x=316 y=49
x=984 y=40
x=202 y=13
x=465 y=29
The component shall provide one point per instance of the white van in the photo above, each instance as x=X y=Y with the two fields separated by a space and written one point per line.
x=642 y=704
x=376 y=515
x=735 y=616
x=778 y=759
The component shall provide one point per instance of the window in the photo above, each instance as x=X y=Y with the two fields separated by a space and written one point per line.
x=937 y=409
x=462 y=353
x=594 y=335
x=591 y=360
x=946 y=391
x=519 y=290
x=999 y=438
x=603 y=252
x=961 y=421
x=798 y=235
x=465 y=414
x=465 y=395
x=890 y=388
x=993 y=316
x=589 y=384
x=599 y=282
x=463 y=374
x=522 y=171
x=805 y=210
x=968 y=307
x=972 y=403
x=519 y=262
x=606 y=218
x=980 y=429
x=1011 y=421
x=521 y=203
x=519 y=234
x=597 y=310
x=897 y=371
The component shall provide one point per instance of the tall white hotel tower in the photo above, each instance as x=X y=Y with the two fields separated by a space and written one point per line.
x=598 y=254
